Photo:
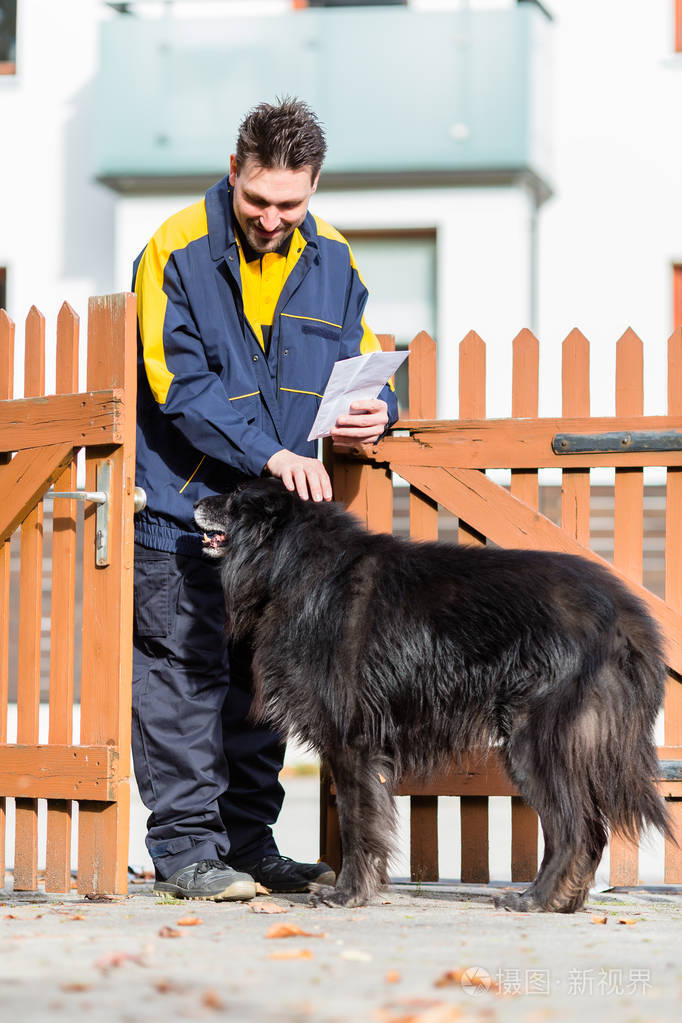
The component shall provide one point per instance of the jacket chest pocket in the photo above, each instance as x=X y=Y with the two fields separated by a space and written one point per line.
x=308 y=350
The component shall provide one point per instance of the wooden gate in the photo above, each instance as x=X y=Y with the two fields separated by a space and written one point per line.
x=445 y=463
x=39 y=439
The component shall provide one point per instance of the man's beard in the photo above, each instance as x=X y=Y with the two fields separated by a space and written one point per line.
x=262 y=243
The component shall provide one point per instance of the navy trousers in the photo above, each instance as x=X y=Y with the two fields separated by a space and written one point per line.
x=206 y=772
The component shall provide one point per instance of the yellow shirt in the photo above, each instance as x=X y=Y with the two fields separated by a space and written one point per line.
x=263 y=278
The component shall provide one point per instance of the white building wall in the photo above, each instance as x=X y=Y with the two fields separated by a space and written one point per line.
x=56 y=223
x=608 y=238
x=483 y=238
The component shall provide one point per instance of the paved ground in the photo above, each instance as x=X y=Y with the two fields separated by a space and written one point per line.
x=420 y=956
x=111 y=962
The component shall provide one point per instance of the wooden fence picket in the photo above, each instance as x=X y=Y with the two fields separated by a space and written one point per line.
x=6 y=392
x=423 y=526
x=575 y=401
x=672 y=871
x=628 y=540
x=473 y=810
x=62 y=615
x=30 y=620
x=525 y=487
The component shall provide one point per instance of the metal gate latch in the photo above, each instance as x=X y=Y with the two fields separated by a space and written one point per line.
x=100 y=497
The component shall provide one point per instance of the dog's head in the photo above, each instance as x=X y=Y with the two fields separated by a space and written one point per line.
x=258 y=508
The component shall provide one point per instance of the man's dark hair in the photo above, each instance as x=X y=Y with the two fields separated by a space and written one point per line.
x=286 y=135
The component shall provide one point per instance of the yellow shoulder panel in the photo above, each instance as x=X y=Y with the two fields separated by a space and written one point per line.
x=175 y=233
x=326 y=230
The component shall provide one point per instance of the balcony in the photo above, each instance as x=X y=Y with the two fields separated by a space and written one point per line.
x=407 y=97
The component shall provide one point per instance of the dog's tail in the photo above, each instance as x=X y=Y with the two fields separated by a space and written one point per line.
x=628 y=794
x=589 y=760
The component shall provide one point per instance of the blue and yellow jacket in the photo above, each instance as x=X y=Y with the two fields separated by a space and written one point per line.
x=214 y=403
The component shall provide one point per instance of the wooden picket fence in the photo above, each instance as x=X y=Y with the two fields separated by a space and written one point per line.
x=39 y=439
x=444 y=462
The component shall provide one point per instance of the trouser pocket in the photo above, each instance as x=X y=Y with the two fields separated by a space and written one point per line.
x=152 y=593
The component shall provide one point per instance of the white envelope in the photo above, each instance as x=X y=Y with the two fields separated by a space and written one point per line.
x=353 y=380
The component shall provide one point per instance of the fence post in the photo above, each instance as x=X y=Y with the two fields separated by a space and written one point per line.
x=423 y=526
x=103 y=830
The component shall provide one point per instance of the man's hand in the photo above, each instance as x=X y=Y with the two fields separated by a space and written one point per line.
x=301 y=474
x=364 y=424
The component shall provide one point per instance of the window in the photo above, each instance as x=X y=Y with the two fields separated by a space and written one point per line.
x=8 y=36
x=399 y=269
x=350 y=3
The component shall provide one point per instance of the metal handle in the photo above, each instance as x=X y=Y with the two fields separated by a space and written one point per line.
x=96 y=496
x=101 y=498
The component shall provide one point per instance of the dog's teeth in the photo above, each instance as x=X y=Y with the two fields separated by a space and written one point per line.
x=206 y=538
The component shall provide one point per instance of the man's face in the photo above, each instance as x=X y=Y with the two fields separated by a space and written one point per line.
x=269 y=202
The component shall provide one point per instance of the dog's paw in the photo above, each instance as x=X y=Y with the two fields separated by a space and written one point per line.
x=319 y=893
x=326 y=895
x=517 y=902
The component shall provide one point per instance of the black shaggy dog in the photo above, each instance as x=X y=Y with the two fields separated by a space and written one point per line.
x=388 y=657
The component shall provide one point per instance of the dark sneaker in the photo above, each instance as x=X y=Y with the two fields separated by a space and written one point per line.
x=282 y=874
x=208 y=879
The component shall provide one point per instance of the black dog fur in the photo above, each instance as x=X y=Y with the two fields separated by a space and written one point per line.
x=389 y=657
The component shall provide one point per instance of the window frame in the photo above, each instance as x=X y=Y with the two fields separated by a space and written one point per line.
x=677 y=295
x=9 y=67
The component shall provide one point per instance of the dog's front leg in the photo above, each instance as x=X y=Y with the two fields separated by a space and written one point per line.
x=366 y=809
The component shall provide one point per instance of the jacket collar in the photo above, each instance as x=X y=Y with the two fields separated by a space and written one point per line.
x=222 y=239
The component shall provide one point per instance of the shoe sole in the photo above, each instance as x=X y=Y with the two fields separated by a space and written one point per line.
x=238 y=891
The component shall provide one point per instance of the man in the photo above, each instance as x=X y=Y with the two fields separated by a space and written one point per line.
x=245 y=301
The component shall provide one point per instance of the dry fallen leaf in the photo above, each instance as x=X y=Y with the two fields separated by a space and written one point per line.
x=75 y=985
x=467 y=977
x=392 y=977
x=75 y=916
x=596 y=919
x=211 y=1000
x=189 y=921
x=96 y=897
x=294 y=953
x=115 y=959
x=266 y=907
x=169 y=932
x=291 y=931
x=626 y=920
x=420 y=1010
x=261 y=889
x=167 y=987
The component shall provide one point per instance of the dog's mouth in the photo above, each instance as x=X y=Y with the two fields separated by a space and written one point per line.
x=214 y=544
